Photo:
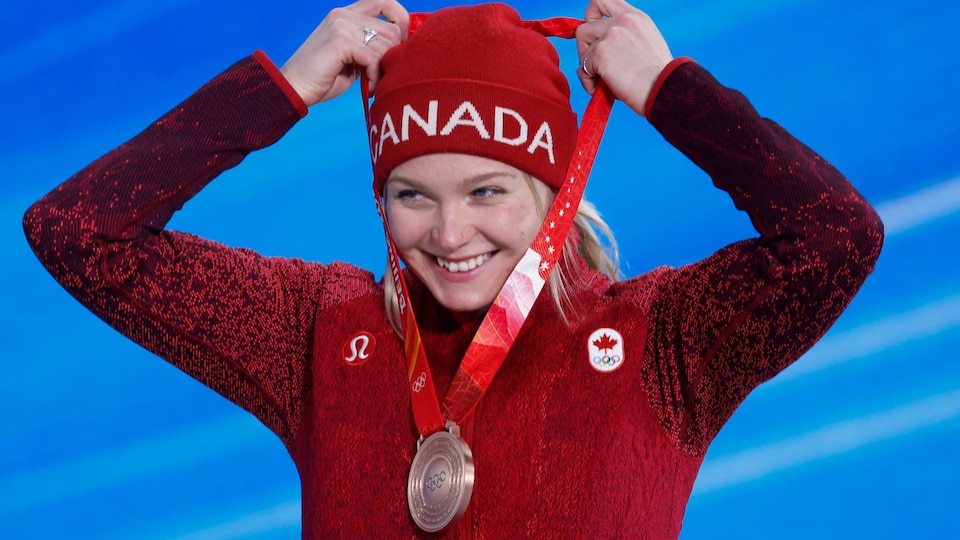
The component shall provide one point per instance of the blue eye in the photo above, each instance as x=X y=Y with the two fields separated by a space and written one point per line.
x=486 y=192
x=407 y=194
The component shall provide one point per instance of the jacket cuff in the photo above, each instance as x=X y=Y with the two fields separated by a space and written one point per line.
x=662 y=78
x=281 y=81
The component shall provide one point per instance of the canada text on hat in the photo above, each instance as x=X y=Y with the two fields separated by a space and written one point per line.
x=472 y=80
x=509 y=127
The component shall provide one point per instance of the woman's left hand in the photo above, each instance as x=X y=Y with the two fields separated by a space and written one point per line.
x=621 y=45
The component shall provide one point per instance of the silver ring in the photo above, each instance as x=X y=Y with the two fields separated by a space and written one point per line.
x=368 y=35
x=583 y=66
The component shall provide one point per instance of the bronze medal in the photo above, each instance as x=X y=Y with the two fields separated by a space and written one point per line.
x=441 y=480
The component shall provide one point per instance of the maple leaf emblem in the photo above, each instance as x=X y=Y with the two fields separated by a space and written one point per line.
x=605 y=343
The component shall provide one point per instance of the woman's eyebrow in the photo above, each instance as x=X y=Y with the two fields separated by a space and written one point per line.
x=468 y=181
x=480 y=178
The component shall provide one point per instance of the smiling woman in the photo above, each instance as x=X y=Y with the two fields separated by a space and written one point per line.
x=462 y=223
x=479 y=168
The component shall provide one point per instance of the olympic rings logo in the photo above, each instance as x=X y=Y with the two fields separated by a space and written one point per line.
x=436 y=481
x=417 y=385
x=606 y=361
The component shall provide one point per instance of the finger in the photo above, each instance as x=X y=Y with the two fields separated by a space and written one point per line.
x=348 y=40
x=594 y=12
x=367 y=59
x=600 y=9
x=355 y=25
x=349 y=35
x=588 y=34
x=373 y=77
x=396 y=14
x=387 y=13
x=371 y=51
x=586 y=71
x=386 y=34
x=588 y=79
x=380 y=44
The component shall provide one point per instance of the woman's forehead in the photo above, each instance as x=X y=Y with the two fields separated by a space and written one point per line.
x=448 y=166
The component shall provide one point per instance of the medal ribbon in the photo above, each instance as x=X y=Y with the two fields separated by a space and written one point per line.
x=513 y=303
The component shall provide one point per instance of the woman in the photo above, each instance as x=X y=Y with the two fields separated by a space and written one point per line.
x=603 y=403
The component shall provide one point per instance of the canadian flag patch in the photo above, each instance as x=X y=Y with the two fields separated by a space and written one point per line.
x=606 y=350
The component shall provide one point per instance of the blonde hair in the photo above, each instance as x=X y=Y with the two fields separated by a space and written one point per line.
x=597 y=255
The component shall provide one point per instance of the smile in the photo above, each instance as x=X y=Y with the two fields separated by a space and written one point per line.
x=464 y=266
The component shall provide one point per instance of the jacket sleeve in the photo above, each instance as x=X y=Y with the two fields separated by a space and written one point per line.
x=238 y=322
x=722 y=326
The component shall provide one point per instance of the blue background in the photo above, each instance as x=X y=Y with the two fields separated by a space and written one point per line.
x=858 y=440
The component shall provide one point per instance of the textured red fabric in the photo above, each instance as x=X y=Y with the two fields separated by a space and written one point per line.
x=561 y=449
x=281 y=81
x=488 y=100
x=667 y=70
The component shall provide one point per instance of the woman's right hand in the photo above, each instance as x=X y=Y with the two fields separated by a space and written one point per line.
x=621 y=44
x=330 y=59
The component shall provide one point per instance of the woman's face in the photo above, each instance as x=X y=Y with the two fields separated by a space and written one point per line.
x=461 y=223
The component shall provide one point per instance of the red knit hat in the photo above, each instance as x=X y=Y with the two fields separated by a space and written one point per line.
x=473 y=80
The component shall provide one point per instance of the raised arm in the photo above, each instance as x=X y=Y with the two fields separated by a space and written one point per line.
x=744 y=314
x=238 y=322
x=224 y=316
x=724 y=325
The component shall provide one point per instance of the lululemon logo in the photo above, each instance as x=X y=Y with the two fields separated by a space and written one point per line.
x=358 y=349
x=605 y=348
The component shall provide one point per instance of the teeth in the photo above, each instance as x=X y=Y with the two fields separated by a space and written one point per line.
x=464 y=266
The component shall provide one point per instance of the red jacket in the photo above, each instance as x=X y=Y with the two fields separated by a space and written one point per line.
x=561 y=449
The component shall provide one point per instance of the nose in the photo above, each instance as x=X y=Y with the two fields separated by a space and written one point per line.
x=453 y=228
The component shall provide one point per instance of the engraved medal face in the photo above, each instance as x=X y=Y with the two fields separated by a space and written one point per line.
x=440 y=482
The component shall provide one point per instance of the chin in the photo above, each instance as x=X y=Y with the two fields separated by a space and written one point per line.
x=465 y=297
x=465 y=305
